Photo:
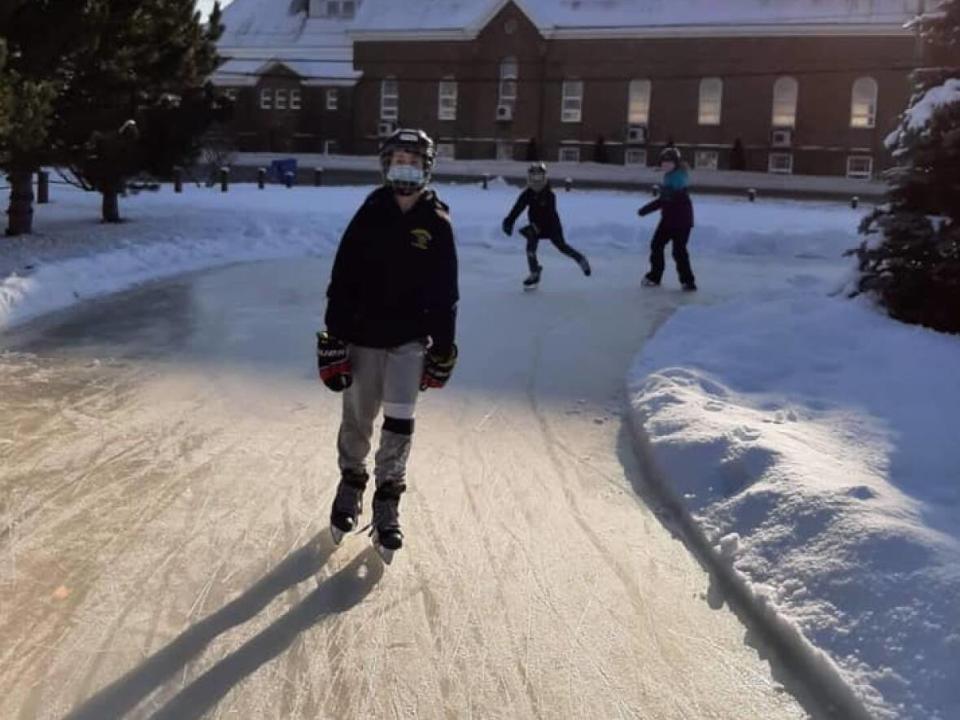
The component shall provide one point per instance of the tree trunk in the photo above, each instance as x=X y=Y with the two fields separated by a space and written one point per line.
x=20 y=212
x=111 y=205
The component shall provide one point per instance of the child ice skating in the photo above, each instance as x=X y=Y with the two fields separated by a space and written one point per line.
x=544 y=222
x=390 y=325
x=676 y=221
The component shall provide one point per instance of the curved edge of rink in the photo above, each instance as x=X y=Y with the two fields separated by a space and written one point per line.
x=819 y=683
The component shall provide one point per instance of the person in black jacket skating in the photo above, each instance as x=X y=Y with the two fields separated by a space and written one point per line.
x=544 y=222
x=390 y=326
x=676 y=221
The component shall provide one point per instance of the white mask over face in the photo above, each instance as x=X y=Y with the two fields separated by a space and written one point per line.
x=406 y=175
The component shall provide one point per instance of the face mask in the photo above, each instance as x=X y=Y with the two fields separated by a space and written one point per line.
x=408 y=177
x=537 y=182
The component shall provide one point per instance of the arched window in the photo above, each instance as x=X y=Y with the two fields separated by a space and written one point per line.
x=711 y=101
x=863 y=103
x=638 y=112
x=785 y=91
x=508 y=81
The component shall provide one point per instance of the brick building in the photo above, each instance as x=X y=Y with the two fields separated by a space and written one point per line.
x=802 y=86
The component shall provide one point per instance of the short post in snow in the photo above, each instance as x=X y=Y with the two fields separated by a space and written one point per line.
x=224 y=179
x=854 y=202
x=43 y=187
x=486 y=180
x=261 y=178
x=288 y=179
x=178 y=179
x=568 y=184
x=317 y=176
x=752 y=195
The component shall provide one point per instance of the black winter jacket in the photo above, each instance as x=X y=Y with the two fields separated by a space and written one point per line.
x=676 y=209
x=542 y=213
x=394 y=279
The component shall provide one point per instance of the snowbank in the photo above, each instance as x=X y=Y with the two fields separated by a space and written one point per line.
x=815 y=442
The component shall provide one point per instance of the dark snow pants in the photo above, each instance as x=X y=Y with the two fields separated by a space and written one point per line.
x=679 y=237
x=533 y=239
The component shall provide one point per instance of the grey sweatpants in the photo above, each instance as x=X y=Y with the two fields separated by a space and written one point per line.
x=382 y=378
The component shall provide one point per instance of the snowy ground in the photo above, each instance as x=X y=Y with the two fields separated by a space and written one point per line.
x=761 y=399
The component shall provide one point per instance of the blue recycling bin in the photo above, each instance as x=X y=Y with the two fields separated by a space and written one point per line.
x=280 y=168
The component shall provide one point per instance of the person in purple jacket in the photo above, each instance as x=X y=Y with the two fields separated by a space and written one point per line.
x=676 y=221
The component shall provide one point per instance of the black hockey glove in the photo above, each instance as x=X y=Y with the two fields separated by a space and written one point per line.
x=507 y=226
x=438 y=368
x=333 y=362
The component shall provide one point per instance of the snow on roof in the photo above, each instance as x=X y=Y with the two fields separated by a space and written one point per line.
x=551 y=16
x=267 y=31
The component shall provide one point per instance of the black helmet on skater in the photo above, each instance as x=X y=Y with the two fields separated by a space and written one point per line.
x=407 y=179
x=670 y=154
x=537 y=176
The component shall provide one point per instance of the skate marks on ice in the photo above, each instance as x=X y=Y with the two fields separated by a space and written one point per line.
x=333 y=595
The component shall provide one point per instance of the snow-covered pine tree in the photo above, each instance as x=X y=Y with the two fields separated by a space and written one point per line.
x=911 y=259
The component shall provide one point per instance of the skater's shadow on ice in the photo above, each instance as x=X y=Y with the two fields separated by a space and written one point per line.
x=335 y=594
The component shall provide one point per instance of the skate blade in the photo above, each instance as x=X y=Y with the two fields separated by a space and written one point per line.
x=529 y=288
x=385 y=554
x=337 y=534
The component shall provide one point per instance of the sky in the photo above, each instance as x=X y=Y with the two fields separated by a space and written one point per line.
x=205 y=6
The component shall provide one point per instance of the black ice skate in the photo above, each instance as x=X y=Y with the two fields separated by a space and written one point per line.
x=690 y=287
x=347 y=505
x=647 y=282
x=584 y=265
x=385 y=533
x=533 y=279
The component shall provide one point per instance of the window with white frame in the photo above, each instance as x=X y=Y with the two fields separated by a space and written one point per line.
x=446 y=151
x=711 y=101
x=296 y=99
x=860 y=167
x=571 y=107
x=280 y=99
x=863 y=103
x=389 y=99
x=330 y=147
x=781 y=163
x=504 y=150
x=447 y=100
x=785 y=91
x=635 y=156
x=266 y=99
x=333 y=99
x=706 y=159
x=509 y=71
x=638 y=110
x=569 y=153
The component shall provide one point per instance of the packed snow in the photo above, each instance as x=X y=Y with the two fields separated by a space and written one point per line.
x=814 y=440
x=811 y=437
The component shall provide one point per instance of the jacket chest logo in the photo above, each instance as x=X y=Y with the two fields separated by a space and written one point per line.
x=421 y=238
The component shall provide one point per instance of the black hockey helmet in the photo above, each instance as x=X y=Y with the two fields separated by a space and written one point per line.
x=416 y=142
x=537 y=176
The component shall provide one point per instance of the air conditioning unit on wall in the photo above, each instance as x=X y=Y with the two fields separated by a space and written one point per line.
x=385 y=127
x=637 y=134
x=781 y=138
x=504 y=112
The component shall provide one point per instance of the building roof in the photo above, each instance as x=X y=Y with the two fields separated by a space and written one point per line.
x=259 y=33
x=574 y=18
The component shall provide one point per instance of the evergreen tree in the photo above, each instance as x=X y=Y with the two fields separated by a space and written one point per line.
x=140 y=100
x=911 y=259
x=40 y=37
